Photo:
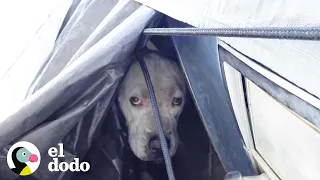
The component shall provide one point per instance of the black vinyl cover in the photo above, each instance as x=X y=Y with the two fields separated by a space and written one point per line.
x=71 y=101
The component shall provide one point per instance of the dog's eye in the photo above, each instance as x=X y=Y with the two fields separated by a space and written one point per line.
x=135 y=101
x=177 y=101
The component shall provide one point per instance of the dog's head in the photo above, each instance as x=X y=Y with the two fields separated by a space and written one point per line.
x=170 y=90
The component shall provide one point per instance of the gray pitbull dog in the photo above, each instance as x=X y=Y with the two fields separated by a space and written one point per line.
x=170 y=90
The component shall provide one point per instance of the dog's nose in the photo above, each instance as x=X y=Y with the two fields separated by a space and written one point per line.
x=155 y=146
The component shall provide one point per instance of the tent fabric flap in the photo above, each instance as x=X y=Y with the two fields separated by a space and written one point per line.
x=71 y=95
x=294 y=60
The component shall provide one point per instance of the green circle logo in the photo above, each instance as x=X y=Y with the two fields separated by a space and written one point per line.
x=23 y=158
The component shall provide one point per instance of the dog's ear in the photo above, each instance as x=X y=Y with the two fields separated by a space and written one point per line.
x=145 y=50
x=151 y=46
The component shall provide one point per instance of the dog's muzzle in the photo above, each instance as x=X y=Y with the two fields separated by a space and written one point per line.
x=155 y=147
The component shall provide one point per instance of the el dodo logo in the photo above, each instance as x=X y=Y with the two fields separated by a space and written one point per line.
x=23 y=158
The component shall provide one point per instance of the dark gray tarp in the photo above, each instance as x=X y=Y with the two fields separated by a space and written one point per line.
x=71 y=100
x=72 y=93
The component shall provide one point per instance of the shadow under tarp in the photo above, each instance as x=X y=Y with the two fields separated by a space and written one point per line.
x=71 y=101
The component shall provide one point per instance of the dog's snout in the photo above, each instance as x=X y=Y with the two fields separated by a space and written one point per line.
x=155 y=146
